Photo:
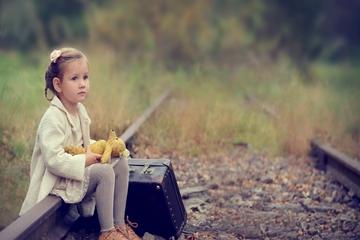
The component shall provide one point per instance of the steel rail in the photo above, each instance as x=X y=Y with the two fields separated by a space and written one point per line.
x=339 y=166
x=48 y=219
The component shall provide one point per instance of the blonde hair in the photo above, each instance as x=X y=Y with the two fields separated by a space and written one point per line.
x=58 y=58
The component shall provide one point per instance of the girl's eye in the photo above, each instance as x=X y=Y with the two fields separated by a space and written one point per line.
x=74 y=78
x=86 y=77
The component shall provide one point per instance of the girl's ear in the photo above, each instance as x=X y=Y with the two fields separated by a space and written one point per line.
x=57 y=84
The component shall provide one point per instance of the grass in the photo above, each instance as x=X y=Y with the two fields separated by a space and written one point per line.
x=269 y=107
x=343 y=104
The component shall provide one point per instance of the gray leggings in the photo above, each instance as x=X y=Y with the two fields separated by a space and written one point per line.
x=110 y=186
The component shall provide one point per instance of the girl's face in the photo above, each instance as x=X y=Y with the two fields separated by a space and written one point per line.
x=74 y=86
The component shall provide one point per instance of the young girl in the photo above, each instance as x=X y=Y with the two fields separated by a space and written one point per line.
x=79 y=178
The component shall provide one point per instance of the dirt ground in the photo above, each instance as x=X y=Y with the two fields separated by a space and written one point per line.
x=240 y=194
x=243 y=195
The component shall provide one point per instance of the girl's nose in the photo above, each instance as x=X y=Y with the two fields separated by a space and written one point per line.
x=82 y=82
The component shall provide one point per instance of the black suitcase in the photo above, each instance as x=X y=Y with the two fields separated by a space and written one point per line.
x=154 y=201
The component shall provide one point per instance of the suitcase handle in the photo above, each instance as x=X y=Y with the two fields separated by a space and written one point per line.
x=158 y=163
x=147 y=169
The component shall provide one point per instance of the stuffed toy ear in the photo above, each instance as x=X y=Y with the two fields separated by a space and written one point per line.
x=118 y=147
x=107 y=153
x=108 y=148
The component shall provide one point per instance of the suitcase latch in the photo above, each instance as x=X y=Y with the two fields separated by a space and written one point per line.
x=147 y=169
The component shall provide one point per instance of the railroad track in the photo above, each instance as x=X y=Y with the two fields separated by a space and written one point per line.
x=339 y=166
x=48 y=219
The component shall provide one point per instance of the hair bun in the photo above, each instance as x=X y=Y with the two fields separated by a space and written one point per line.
x=54 y=55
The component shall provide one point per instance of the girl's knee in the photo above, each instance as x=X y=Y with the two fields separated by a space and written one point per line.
x=122 y=167
x=104 y=171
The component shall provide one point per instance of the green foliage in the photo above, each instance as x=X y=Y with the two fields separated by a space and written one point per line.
x=62 y=20
x=37 y=23
x=18 y=24
x=344 y=86
x=186 y=32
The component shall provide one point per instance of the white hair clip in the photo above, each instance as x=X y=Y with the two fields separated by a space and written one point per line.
x=54 y=55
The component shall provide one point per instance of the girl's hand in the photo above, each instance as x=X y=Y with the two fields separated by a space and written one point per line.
x=91 y=158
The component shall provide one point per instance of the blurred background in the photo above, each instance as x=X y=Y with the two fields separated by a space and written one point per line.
x=266 y=74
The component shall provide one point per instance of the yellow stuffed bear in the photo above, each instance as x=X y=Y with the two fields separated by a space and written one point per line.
x=113 y=147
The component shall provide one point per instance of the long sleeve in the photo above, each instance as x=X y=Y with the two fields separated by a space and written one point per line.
x=51 y=140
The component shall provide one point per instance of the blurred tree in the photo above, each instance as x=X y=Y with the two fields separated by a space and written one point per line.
x=41 y=23
x=306 y=29
x=341 y=23
x=19 y=25
x=62 y=20
x=180 y=31
x=189 y=31
x=291 y=27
